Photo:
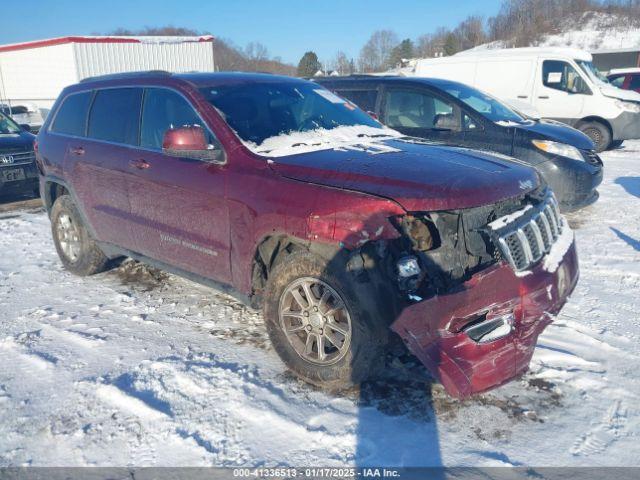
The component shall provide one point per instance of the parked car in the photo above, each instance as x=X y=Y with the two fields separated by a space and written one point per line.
x=451 y=112
x=625 y=78
x=279 y=191
x=18 y=174
x=27 y=115
x=562 y=84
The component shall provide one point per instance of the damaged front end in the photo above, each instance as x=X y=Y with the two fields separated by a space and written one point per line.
x=479 y=285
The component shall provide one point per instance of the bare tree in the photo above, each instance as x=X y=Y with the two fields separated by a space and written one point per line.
x=376 y=53
x=341 y=64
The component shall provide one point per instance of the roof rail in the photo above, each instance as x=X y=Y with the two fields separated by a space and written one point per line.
x=116 y=76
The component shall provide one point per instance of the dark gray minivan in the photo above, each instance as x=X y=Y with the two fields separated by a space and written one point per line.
x=454 y=113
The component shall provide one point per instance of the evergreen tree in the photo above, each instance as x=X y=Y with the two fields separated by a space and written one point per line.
x=308 y=65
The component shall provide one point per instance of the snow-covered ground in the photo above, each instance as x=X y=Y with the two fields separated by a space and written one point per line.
x=594 y=31
x=136 y=367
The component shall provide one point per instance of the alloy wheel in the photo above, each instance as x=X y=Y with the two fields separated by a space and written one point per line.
x=68 y=237
x=315 y=321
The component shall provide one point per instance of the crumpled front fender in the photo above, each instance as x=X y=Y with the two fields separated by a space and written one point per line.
x=433 y=328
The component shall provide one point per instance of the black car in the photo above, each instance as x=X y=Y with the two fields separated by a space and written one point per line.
x=18 y=172
x=455 y=113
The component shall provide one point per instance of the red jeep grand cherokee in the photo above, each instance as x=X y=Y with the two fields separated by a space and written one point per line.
x=341 y=229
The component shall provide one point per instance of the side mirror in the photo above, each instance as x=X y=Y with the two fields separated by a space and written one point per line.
x=26 y=127
x=190 y=142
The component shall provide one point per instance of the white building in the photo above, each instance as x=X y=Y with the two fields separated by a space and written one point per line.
x=35 y=72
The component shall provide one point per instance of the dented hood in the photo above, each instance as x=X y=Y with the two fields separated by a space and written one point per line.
x=417 y=176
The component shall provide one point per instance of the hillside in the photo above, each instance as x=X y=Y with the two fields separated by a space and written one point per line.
x=591 y=31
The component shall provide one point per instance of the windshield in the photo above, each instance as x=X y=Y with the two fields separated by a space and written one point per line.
x=592 y=71
x=258 y=111
x=7 y=125
x=484 y=104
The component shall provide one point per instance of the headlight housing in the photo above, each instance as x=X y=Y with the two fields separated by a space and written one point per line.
x=556 y=148
x=628 y=106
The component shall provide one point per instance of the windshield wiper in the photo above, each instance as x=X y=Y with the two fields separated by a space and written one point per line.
x=377 y=135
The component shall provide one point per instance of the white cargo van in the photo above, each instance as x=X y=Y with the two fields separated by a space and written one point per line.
x=561 y=83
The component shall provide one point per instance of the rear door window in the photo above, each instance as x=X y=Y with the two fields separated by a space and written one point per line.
x=365 y=99
x=71 y=118
x=617 y=81
x=115 y=115
x=164 y=109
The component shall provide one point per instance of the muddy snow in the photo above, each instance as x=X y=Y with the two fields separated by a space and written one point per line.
x=138 y=367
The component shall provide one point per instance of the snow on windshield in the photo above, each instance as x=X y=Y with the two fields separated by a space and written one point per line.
x=345 y=137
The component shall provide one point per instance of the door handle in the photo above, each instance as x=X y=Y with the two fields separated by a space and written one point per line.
x=139 y=164
x=544 y=97
x=523 y=96
x=77 y=150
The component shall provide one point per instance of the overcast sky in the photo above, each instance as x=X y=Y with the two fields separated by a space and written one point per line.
x=287 y=27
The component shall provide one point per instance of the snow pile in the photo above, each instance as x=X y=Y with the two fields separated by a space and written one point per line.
x=293 y=143
x=559 y=249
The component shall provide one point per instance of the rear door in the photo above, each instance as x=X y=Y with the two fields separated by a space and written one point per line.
x=421 y=113
x=98 y=163
x=364 y=97
x=178 y=204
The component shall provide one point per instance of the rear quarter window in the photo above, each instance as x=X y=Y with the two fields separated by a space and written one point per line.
x=115 y=115
x=365 y=99
x=71 y=118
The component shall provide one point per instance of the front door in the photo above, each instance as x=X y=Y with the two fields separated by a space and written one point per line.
x=421 y=113
x=560 y=90
x=178 y=204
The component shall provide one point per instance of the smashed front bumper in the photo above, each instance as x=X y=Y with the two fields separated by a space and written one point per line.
x=436 y=329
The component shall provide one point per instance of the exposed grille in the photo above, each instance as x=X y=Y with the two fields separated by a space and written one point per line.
x=8 y=158
x=526 y=240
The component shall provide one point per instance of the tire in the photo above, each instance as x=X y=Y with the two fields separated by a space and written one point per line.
x=615 y=144
x=598 y=133
x=78 y=252
x=360 y=358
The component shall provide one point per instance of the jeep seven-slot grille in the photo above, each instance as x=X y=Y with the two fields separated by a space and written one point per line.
x=526 y=242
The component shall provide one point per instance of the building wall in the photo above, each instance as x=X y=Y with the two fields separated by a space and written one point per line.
x=102 y=58
x=36 y=75
x=607 y=61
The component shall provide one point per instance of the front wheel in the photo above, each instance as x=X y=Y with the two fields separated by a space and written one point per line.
x=598 y=133
x=323 y=328
x=78 y=252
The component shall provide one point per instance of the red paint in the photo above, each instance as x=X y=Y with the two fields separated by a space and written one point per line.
x=429 y=328
x=209 y=218
x=75 y=39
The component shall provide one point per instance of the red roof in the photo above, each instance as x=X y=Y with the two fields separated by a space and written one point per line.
x=62 y=40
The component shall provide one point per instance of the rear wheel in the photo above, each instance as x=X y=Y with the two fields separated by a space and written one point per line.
x=327 y=331
x=598 y=133
x=78 y=252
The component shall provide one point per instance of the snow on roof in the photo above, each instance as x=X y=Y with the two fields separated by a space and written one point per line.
x=102 y=39
x=528 y=51
x=624 y=70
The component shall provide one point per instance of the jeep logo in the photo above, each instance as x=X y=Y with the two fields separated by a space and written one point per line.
x=6 y=159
